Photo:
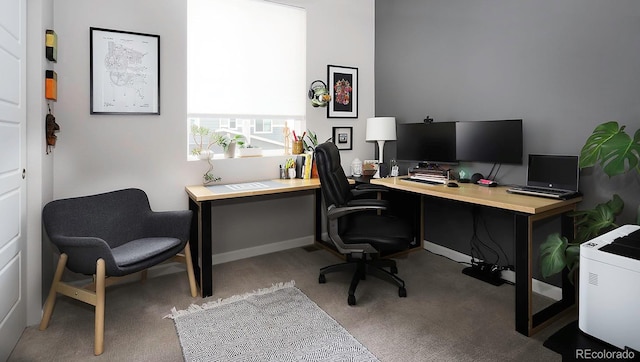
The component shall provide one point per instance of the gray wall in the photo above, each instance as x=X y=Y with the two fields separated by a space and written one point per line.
x=562 y=66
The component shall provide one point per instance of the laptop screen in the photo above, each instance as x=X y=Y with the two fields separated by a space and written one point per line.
x=552 y=171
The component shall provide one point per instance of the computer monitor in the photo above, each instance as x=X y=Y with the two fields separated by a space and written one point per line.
x=433 y=143
x=490 y=141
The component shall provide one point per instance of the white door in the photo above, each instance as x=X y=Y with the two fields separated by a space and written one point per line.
x=13 y=198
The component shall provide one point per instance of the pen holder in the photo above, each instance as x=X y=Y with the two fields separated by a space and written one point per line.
x=296 y=147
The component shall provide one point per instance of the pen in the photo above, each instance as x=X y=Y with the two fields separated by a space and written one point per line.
x=295 y=138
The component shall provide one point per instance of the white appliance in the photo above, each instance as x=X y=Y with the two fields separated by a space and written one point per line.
x=610 y=287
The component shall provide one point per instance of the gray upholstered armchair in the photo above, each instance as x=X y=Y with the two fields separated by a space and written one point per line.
x=113 y=234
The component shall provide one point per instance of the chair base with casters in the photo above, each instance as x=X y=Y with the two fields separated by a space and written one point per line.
x=363 y=266
x=111 y=236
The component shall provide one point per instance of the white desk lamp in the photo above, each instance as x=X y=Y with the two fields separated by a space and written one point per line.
x=381 y=129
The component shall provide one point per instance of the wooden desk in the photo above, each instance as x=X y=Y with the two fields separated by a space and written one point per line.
x=526 y=210
x=200 y=202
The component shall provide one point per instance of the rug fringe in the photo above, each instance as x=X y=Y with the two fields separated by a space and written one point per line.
x=193 y=308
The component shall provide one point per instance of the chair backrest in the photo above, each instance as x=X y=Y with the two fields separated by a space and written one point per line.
x=333 y=181
x=116 y=217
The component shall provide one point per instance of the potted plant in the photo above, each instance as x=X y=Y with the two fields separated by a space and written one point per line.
x=249 y=151
x=203 y=139
x=290 y=166
x=310 y=141
x=617 y=153
x=230 y=144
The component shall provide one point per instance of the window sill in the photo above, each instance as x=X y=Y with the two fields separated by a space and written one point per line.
x=220 y=156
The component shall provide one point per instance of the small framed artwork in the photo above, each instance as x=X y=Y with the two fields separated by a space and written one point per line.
x=125 y=72
x=342 y=137
x=343 y=85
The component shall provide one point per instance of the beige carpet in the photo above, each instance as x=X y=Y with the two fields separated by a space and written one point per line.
x=447 y=316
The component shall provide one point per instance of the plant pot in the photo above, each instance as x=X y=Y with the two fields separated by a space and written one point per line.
x=205 y=155
x=249 y=152
x=230 y=152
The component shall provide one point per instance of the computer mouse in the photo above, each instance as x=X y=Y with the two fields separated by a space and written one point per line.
x=452 y=184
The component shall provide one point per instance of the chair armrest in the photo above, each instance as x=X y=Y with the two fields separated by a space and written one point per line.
x=369 y=202
x=175 y=224
x=363 y=189
x=334 y=212
x=83 y=251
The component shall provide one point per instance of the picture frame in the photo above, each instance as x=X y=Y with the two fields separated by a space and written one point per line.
x=343 y=86
x=343 y=137
x=124 y=72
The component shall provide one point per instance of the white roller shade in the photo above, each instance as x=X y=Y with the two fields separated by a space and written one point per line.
x=246 y=57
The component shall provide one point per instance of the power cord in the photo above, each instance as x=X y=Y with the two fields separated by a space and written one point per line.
x=476 y=245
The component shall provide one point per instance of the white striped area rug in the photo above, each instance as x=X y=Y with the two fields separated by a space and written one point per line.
x=279 y=323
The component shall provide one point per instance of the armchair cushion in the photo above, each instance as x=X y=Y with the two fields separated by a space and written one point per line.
x=140 y=250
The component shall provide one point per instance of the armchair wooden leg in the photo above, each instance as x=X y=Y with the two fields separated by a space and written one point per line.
x=100 y=300
x=51 y=299
x=190 y=273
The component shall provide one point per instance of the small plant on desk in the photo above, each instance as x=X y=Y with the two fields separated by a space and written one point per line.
x=290 y=166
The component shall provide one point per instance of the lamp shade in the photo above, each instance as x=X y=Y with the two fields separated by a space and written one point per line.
x=381 y=129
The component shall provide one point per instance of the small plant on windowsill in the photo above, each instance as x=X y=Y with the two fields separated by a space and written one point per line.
x=230 y=144
x=204 y=139
x=249 y=151
x=617 y=153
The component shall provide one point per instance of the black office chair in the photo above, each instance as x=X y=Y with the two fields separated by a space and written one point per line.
x=113 y=234
x=355 y=227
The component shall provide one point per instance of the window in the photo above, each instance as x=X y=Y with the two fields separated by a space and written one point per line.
x=263 y=126
x=246 y=70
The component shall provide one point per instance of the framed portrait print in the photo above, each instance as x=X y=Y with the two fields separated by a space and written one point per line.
x=342 y=137
x=343 y=85
x=125 y=72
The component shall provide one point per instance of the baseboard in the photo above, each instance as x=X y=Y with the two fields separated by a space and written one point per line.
x=539 y=287
x=261 y=250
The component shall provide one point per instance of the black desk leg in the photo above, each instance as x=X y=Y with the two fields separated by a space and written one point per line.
x=201 y=250
x=318 y=215
x=194 y=238
x=523 y=270
x=528 y=323
x=205 y=252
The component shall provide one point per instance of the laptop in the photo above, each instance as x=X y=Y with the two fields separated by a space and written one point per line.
x=552 y=176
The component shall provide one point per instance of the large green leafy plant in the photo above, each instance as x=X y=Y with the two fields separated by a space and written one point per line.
x=617 y=153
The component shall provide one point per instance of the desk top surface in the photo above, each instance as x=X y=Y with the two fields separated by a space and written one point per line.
x=480 y=195
x=206 y=193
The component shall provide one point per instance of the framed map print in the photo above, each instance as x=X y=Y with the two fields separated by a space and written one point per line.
x=125 y=72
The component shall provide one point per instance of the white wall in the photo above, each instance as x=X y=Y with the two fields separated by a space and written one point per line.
x=39 y=164
x=97 y=153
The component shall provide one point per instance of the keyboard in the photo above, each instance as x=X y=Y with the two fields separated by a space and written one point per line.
x=538 y=191
x=426 y=181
